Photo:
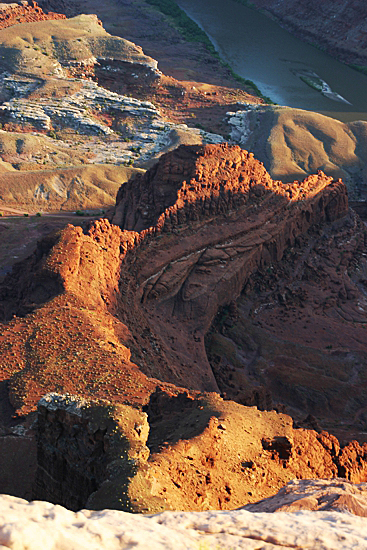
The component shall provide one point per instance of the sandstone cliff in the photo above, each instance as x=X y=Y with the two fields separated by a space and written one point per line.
x=13 y=13
x=111 y=313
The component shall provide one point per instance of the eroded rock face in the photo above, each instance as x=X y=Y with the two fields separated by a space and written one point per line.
x=209 y=218
x=220 y=217
x=79 y=442
x=111 y=313
x=181 y=453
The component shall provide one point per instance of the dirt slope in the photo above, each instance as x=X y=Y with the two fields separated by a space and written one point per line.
x=76 y=188
x=293 y=143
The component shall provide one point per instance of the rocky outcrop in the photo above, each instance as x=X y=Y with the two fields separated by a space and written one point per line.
x=197 y=228
x=13 y=13
x=221 y=216
x=193 y=183
x=81 y=443
x=182 y=453
x=209 y=218
x=337 y=26
x=80 y=113
x=25 y=524
x=336 y=495
x=71 y=44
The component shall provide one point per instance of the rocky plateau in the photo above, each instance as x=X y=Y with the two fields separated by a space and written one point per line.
x=183 y=292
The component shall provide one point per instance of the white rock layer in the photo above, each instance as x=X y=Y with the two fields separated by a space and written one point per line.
x=150 y=135
x=41 y=525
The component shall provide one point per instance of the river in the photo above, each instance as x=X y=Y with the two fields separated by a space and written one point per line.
x=282 y=66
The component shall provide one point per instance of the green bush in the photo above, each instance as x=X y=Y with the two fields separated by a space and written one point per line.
x=360 y=68
x=79 y=213
x=188 y=28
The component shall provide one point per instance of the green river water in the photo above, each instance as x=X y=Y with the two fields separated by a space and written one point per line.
x=285 y=68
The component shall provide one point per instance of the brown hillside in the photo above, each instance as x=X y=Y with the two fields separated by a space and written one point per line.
x=74 y=188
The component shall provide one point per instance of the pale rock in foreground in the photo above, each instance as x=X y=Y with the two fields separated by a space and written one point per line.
x=338 y=494
x=39 y=524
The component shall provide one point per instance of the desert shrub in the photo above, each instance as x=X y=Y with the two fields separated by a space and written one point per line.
x=188 y=28
x=360 y=68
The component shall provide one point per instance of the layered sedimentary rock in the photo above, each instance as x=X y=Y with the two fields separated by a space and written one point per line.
x=12 y=13
x=111 y=313
x=221 y=217
x=72 y=46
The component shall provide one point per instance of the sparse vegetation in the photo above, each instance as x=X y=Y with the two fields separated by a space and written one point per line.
x=360 y=68
x=313 y=82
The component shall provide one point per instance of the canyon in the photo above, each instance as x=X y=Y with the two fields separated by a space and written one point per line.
x=182 y=327
x=188 y=235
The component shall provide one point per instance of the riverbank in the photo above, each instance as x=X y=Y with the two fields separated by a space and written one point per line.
x=280 y=64
x=337 y=27
x=196 y=88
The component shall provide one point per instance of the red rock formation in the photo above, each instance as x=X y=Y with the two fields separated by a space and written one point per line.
x=24 y=11
x=187 y=454
x=209 y=218
x=112 y=313
x=221 y=217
